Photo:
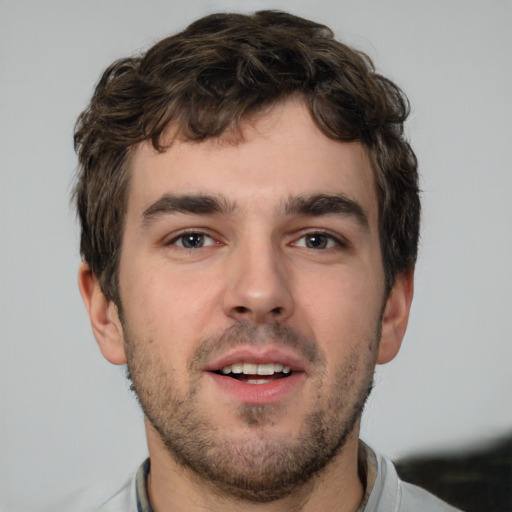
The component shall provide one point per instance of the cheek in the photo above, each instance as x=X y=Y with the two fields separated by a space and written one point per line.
x=342 y=311
x=164 y=304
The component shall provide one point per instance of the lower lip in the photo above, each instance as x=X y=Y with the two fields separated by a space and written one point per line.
x=270 y=393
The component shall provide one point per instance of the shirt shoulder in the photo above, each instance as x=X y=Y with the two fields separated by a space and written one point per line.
x=99 y=497
x=390 y=494
x=124 y=500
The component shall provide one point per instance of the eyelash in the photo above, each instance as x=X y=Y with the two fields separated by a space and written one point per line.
x=330 y=239
x=336 y=241
x=182 y=236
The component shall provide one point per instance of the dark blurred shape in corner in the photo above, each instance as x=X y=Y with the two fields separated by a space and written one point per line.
x=474 y=480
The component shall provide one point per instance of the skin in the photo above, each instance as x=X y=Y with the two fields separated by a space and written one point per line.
x=261 y=262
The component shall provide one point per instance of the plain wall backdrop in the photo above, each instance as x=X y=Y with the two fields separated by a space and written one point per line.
x=67 y=418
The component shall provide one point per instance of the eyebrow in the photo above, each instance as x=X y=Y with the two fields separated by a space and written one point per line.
x=196 y=204
x=314 y=205
x=317 y=205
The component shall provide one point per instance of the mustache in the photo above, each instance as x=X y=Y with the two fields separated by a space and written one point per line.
x=244 y=333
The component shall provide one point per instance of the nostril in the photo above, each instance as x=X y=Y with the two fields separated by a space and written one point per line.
x=277 y=311
x=241 y=309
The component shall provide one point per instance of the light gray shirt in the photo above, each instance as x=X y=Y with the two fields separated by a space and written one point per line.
x=384 y=491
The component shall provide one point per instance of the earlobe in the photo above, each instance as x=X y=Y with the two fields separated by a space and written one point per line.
x=104 y=317
x=396 y=316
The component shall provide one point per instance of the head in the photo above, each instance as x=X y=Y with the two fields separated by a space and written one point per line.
x=247 y=198
x=204 y=82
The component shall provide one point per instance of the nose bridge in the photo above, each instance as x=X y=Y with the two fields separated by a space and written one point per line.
x=258 y=287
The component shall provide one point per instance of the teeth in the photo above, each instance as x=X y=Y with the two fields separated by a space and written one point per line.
x=265 y=369
x=235 y=368
x=256 y=369
x=250 y=369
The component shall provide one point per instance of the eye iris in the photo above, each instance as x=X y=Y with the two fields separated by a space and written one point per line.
x=193 y=240
x=316 y=241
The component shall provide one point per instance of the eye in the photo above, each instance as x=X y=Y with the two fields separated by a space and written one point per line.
x=193 y=240
x=317 y=241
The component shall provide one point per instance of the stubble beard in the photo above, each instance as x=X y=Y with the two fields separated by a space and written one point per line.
x=263 y=466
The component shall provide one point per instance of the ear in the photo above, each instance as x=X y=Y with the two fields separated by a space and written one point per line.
x=104 y=317
x=396 y=316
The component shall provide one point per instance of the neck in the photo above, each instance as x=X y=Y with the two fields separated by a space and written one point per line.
x=174 y=487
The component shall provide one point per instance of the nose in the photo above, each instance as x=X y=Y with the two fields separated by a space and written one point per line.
x=258 y=286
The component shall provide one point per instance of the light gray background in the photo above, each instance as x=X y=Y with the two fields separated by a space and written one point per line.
x=67 y=419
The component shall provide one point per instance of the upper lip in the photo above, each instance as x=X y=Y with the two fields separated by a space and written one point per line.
x=258 y=355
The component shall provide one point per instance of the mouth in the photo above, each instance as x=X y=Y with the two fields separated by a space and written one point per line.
x=252 y=373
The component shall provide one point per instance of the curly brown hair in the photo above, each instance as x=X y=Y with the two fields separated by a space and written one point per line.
x=205 y=81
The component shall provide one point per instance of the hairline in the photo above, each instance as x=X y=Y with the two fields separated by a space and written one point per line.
x=233 y=134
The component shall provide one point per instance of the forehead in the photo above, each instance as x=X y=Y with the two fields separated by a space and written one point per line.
x=280 y=154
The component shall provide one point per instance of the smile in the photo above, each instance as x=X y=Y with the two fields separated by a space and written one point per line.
x=251 y=373
x=264 y=374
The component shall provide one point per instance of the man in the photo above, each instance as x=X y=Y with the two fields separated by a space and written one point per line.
x=250 y=216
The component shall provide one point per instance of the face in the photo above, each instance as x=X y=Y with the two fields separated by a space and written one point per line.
x=253 y=305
